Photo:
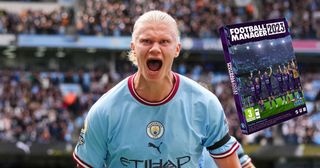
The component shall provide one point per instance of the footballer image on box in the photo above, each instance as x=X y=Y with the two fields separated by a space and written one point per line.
x=264 y=73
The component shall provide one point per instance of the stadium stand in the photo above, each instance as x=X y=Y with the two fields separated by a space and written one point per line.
x=195 y=18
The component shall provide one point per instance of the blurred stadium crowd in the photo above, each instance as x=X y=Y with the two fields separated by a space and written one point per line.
x=196 y=18
x=34 y=109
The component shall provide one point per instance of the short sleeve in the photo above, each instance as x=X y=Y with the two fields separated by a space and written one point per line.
x=218 y=141
x=91 y=148
x=206 y=160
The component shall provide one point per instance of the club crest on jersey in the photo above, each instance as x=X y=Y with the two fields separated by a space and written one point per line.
x=155 y=129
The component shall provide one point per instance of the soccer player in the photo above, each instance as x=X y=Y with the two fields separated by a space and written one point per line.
x=251 y=85
x=258 y=90
x=278 y=75
x=156 y=117
x=286 y=79
x=266 y=78
x=296 y=80
x=290 y=73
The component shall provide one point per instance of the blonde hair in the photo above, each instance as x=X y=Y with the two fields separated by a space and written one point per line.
x=152 y=16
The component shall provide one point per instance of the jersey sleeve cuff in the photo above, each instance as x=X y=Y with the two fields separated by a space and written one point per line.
x=234 y=147
x=80 y=163
x=224 y=147
x=220 y=143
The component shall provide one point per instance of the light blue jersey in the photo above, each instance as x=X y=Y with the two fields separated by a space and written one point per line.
x=124 y=130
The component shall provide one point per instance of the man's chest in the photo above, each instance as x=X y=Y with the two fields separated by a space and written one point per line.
x=156 y=139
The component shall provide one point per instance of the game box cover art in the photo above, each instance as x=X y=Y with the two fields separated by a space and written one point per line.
x=263 y=72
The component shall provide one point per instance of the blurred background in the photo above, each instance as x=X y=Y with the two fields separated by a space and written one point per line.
x=57 y=57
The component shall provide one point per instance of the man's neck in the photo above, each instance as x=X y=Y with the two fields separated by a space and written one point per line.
x=153 y=91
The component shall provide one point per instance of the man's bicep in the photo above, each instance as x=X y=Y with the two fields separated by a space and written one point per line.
x=229 y=161
x=216 y=124
x=218 y=141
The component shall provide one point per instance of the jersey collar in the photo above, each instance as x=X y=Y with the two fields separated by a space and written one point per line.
x=154 y=103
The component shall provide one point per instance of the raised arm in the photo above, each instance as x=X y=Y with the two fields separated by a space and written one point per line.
x=280 y=69
x=270 y=71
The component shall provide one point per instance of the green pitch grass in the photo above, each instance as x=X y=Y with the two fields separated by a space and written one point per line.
x=275 y=110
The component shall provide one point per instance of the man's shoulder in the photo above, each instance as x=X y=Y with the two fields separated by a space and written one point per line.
x=115 y=94
x=192 y=88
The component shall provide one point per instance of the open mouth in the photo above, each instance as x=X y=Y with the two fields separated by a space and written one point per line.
x=154 y=64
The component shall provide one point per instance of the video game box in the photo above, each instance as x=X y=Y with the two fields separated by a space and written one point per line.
x=264 y=73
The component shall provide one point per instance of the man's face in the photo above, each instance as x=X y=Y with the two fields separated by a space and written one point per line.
x=155 y=47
